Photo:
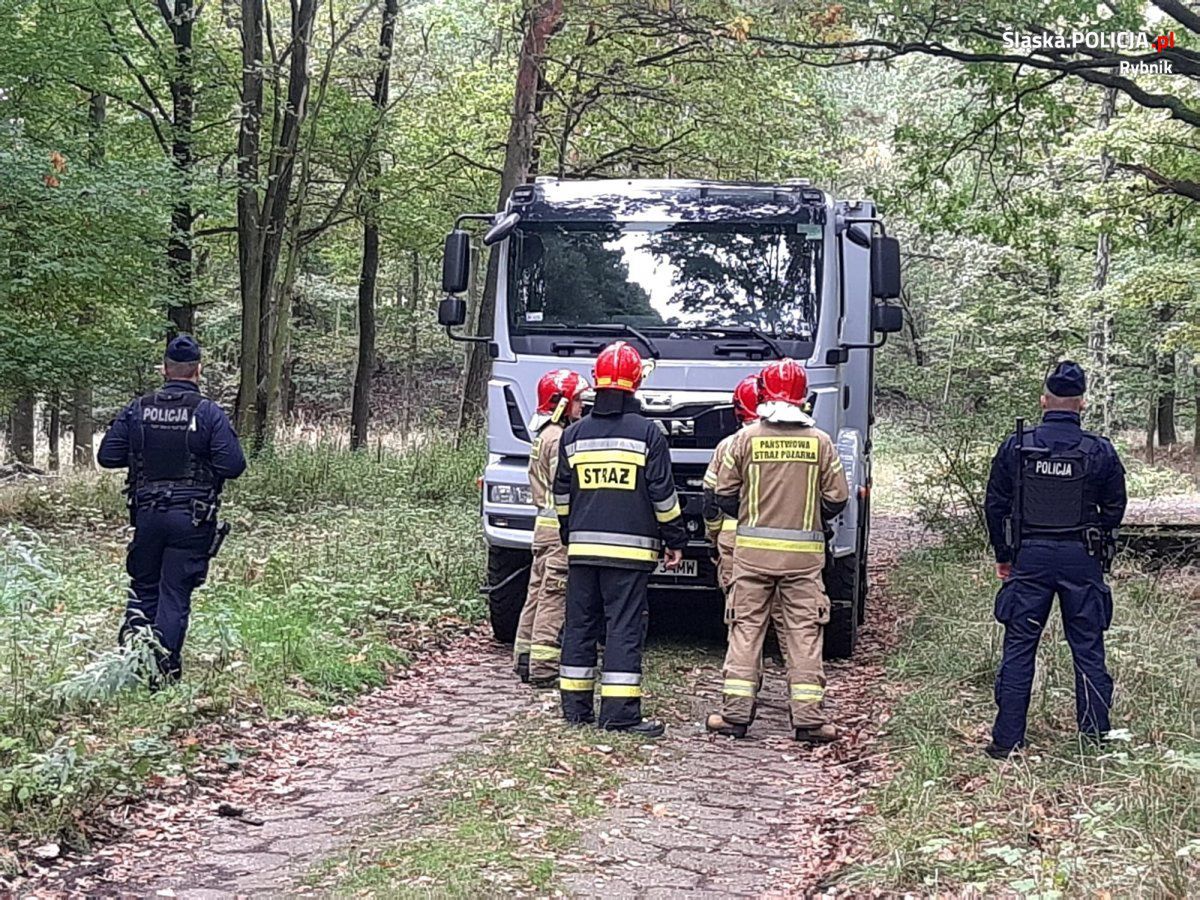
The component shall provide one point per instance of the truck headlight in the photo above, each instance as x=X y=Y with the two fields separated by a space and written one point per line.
x=510 y=493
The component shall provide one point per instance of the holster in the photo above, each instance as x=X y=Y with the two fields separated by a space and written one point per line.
x=219 y=534
x=1102 y=545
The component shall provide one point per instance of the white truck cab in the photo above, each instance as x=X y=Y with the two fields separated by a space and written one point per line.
x=708 y=280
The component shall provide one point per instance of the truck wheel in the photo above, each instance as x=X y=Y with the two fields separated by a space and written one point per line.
x=841 y=585
x=864 y=547
x=507 y=584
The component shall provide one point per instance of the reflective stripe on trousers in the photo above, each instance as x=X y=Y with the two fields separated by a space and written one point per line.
x=621 y=684
x=577 y=678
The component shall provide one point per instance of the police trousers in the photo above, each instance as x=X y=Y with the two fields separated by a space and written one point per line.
x=609 y=601
x=167 y=560
x=539 y=631
x=803 y=613
x=1043 y=569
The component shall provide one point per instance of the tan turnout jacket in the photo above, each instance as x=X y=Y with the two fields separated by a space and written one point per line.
x=781 y=472
x=543 y=461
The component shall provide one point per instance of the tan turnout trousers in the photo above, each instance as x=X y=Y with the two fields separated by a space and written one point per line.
x=721 y=531
x=780 y=473
x=539 y=630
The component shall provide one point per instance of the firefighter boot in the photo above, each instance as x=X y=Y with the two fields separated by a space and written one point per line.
x=647 y=728
x=820 y=734
x=718 y=724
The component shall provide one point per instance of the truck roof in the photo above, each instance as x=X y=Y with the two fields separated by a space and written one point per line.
x=668 y=200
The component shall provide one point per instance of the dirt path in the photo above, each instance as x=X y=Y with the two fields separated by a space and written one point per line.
x=746 y=818
x=708 y=815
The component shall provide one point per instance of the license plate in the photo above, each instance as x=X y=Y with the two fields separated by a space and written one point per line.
x=689 y=568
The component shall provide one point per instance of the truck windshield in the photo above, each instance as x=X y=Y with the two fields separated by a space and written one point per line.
x=677 y=278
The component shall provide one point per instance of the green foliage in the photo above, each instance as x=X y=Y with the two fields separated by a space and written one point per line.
x=1068 y=819
x=318 y=595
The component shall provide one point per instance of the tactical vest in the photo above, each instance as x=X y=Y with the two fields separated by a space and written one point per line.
x=160 y=444
x=1058 y=496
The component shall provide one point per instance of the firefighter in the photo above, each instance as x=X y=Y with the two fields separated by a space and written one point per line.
x=537 y=649
x=180 y=450
x=721 y=527
x=1055 y=498
x=618 y=511
x=782 y=478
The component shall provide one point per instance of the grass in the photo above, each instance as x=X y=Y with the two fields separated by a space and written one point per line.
x=335 y=564
x=1068 y=819
x=500 y=819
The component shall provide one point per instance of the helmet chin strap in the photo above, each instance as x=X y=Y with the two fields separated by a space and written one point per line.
x=560 y=409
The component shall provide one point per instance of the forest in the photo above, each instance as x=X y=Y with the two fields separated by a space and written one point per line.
x=277 y=179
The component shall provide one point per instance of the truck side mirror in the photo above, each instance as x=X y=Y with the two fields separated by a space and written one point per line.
x=452 y=312
x=456 y=263
x=887 y=318
x=885 y=268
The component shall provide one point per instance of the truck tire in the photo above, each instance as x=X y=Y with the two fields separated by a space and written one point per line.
x=864 y=550
x=841 y=585
x=507 y=584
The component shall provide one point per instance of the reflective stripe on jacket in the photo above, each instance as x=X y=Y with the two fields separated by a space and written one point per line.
x=782 y=475
x=543 y=461
x=613 y=490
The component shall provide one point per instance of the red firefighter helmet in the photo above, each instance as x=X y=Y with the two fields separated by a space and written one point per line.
x=745 y=399
x=559 y=385
x=783 y=380
x=619 y=367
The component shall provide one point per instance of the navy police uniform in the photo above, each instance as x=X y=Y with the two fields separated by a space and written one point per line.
x=180 y=449
x=617 y=507
x=1058 y=510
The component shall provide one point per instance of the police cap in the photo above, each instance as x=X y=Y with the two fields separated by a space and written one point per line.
x=183 y=349
x=1067 y=380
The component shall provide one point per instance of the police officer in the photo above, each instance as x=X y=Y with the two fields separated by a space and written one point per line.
x=1054 y=500
x=537 y=649
x=617 y=510
x=782 y=478
x=180 y=449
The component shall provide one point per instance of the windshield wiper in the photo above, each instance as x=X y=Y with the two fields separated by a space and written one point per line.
x=602 y=326
x=750 y=330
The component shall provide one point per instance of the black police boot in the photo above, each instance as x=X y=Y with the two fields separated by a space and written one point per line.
x=521 y=667
x=718 y=724
x=995 y=751
x=647 y=728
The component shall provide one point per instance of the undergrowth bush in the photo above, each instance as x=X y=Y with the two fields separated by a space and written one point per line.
x=333 y=555
x=1067 y=819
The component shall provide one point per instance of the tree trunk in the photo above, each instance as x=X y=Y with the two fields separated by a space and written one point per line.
x=1167 y=435
x=360 y=404
x=1100 y=336
x=249 y=240
x=82 y=425
x=182 y=311
x=1196 y=426
x=54 y=431
x=22 y=427
x=273 y=221
x=1152 y=406
x=542 y=21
